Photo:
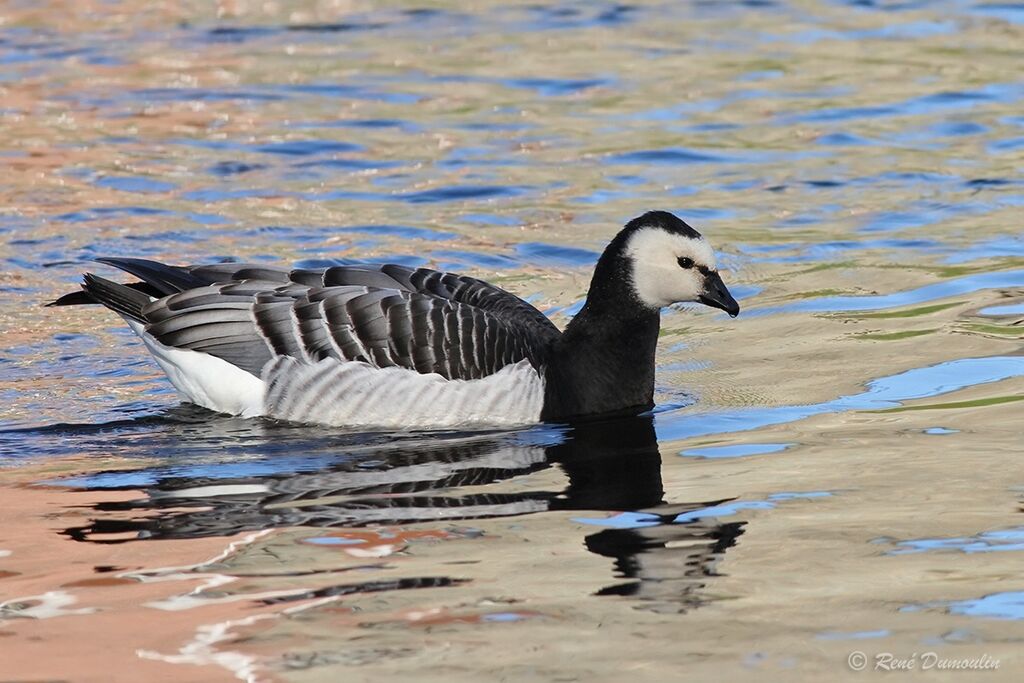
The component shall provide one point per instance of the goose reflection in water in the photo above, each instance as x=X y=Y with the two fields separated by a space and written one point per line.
x=668 y=552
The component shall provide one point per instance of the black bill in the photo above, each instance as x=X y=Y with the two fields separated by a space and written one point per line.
x=717 y=295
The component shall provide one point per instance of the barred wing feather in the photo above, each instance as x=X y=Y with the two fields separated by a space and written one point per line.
x=248 y=322
x=457 y=288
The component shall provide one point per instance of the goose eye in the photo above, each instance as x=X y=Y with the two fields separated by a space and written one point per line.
x=685 y=262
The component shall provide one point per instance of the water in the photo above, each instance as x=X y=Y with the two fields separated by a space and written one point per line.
x=836 y=469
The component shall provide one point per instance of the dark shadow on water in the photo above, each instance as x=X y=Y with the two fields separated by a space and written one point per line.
x=251 y=476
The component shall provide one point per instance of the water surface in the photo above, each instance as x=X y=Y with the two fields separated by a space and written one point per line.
x=838 y=464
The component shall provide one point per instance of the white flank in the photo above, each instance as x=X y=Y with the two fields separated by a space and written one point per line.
x=349 y=393
x=354 y=394
x=204 y=379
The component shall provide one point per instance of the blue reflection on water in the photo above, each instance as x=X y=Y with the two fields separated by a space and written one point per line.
x=1009 y=11
x=623 y=520
x=927 y=104
x=334 y=540
x=939 y=290
x=1008 y=309
x=107 y=212
x=736 y=451
x=799 y=495
x=986 y=542
x=854 y=635
x=675 y=155
x=402 y=231
x=461 y=192
x=1006 y=246
x=489 y=219
x=638 y=520
x=306 y=147
x=724 y=510
x=1007 y=145
x=138 y=184
x=451 y=193
x=462 y=260
x=553 y=86
x=555 y=255
x=996 y=606
x=1008 y=606
x=885 y=392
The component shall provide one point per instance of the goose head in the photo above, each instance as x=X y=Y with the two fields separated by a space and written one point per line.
x=669 y=262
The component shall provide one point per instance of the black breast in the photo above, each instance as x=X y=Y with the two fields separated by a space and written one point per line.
x=599 y=369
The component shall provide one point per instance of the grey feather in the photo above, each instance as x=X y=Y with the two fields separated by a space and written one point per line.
x=420 y=319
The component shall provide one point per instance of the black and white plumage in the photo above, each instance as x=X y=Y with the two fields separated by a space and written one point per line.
x=396 y=347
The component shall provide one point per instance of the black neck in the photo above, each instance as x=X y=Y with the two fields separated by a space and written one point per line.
x=604 y=363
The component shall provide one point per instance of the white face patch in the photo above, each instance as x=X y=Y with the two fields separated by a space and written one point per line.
x=658 y=280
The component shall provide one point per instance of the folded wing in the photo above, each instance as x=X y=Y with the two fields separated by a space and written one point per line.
x=386 y=316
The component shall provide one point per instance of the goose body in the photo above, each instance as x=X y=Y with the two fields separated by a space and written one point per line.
x=395 y=347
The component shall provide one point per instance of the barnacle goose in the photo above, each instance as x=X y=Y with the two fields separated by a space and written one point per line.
x=395 y=347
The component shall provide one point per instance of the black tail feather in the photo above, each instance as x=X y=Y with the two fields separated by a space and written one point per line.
x=82 y=297
x=79 y=298
x=119 y=298
x=164 y=279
